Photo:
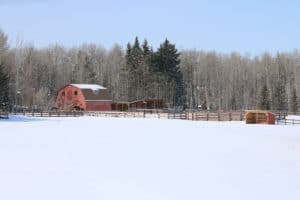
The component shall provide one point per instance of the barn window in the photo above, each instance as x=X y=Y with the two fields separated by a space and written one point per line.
x=63 y=94
x=75 y=93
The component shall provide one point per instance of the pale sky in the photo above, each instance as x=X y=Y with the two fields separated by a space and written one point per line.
x=252 y=26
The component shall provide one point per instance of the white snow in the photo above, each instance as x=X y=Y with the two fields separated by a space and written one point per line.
x=147 y=159
x=295 y=117
x=89 y=86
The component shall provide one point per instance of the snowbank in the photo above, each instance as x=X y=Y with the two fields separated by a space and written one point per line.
x=296 y=117
x=133 y=159
x=20 y=118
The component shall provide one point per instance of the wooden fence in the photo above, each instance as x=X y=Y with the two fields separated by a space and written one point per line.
x=288 y=121
x=178 y=116
x=161 y=114
x=195 y=116
x=50 y=114
x=3 y=115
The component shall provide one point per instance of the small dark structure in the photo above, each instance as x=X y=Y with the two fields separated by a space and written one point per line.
x=120 y=106
x=87 y=97
x=146 y=104
x=259 y=117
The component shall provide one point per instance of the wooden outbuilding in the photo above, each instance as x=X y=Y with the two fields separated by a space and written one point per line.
x=120 y=106
x=146 y=104
x=259 y=117
x=87 y=97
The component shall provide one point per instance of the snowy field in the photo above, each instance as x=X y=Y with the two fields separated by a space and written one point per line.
x=90 y=158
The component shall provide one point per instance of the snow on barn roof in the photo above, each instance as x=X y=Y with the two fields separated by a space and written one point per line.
x=89 y=86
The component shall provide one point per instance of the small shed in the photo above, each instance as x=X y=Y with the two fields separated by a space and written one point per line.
x=120 y=106
x=147 y=104
x=88 y=97
x=260 y=117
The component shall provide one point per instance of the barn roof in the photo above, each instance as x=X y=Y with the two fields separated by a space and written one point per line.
x=89 y=86
x=93 y=92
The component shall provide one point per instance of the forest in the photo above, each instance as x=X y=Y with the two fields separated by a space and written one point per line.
x=185 y=79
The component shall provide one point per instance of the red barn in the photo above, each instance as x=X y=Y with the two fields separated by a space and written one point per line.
x=88 y=97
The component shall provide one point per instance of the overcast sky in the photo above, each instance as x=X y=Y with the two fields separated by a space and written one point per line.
x=252 y=26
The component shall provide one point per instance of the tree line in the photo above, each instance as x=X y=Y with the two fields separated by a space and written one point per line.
x=193 y=79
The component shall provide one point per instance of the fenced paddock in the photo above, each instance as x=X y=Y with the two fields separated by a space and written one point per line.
x=157 y=113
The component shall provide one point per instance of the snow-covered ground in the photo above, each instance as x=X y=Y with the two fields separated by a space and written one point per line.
x=295 y=117
x=147 y=159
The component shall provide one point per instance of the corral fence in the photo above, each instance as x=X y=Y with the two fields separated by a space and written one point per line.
x=192 y=115
x=138 y=113
x=3 y=115
x=288 y=121
x=170 y=114
x=50 y=114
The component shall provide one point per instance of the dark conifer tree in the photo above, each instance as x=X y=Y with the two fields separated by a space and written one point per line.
x=166 y=61
x=280 y=95
x=264 y=102
x=279 y=99
x=4 y=100
x=294 y=101
x=134 y=66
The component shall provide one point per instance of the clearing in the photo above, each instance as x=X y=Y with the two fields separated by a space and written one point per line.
x=96 y=158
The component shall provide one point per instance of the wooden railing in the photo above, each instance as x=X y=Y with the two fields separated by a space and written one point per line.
x=163 y=114
x=217 y=116
x=50 y=114
x=195 y=116
x=288 y=121
x=3 y=115
x=178 y=116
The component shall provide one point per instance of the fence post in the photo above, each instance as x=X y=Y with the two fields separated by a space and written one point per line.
x=207 y=116
x=219 y=117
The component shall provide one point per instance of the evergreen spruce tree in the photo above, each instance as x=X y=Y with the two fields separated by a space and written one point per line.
x=4 y=101
x=264 y=102
x=166 y=61
x=148 y=75
x=134 y=67
x=280 y=97
x=294 y=101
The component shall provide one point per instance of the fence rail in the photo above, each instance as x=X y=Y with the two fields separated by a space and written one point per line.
x=163 y=114
x=51 y=114
x=178 y=116
x=3 y=115
x=288 y=121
